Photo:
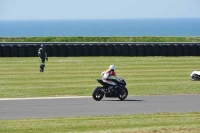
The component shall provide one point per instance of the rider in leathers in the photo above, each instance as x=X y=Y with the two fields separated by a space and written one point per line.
x=109 y=76
x=42 y=56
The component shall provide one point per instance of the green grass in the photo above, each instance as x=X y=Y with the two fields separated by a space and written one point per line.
x=63 y=76
x=20 y=77
x=101 y=39
x=143 y=123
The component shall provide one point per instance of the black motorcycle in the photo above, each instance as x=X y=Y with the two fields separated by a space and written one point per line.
x=119 y=90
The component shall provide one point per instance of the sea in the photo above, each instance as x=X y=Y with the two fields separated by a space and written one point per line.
x=101 y=27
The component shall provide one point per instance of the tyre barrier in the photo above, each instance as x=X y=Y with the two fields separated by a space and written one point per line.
x=171 y=50
x=5 y=50
x=198 y=49
x=85 y=50
x=186 y=49
x=77 y=49
x=109 y=49
x=54 y=50
x=14 y=51
x=163 y=49
x=155 y=50
x=140 y=49
x=0 y=51
x=70 y=50
x=117 y=49
x=194 y=50
x=31 y=50
x=22 y=51
x=93 y=49
x=124 y=50
x=132 y=50
x=62 y=48
x=148 y=50
x=101 y=49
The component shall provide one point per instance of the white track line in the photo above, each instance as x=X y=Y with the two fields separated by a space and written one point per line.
x=4 y=99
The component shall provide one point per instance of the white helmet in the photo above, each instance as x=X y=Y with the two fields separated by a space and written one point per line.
x=112 y=67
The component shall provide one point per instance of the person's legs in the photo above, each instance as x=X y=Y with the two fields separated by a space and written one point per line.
x=42 y=65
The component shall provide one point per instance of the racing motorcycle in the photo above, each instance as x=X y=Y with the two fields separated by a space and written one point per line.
x=119 y=90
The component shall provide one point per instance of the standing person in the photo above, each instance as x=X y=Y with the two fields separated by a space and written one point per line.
x=42 y=56
x=109 y=76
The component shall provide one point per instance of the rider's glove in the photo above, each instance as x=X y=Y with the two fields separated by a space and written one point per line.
x=47 y=58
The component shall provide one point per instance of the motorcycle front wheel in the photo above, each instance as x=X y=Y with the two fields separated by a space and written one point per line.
x=122 y=94
x=97 y=94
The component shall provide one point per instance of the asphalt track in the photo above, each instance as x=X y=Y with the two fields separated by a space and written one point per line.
x=86 y=106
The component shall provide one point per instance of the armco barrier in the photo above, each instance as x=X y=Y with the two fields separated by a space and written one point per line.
x=65 y=49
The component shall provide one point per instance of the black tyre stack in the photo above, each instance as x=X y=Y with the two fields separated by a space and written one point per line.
x=70 y=50
x=163 y=49
x=78 y=49
x=85 y=49
x=22 y=50
x=194 y=49
x=93 y=49
x=124 y=49
x=186 y=49
x=0 y=50
x=31 y=50
x=140 y=49
x=101 y=49
x=171 y=50
x=155 y=50
x=5 y=50
x=62 y=50
x=132 y=50
x=148 y=50
x=178 y=49
x=54 y=50
x=117 y=49
x=198 y=45
x=109 y=50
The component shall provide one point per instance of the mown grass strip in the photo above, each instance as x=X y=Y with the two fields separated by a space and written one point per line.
x=20 y=77
x=141 y=123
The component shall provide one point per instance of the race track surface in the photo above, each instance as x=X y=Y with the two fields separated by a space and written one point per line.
x=86 y=106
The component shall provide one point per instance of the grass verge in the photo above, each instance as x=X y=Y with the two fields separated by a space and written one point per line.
x=142 y=123
x=101 y=39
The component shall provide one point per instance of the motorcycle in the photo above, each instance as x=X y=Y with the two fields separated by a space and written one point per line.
x=119 y=90
x=195 y=75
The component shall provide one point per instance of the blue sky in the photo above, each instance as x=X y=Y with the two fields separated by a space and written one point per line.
x=97 y=9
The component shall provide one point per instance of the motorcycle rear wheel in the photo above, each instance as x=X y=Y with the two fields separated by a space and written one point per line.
x=97 y=94
x=122 y=94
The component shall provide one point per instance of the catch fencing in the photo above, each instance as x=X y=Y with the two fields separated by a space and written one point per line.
x=65 y=49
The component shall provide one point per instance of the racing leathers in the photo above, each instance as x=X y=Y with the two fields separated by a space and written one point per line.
x=110 y=77
x=42 y=56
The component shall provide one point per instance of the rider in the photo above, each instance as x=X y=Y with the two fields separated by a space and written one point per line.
x=42 y=56
x=109 y=76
